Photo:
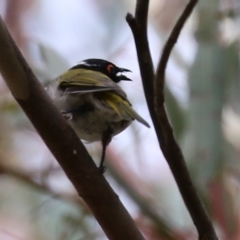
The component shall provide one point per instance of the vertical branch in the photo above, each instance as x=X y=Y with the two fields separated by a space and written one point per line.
x=164 y=132
x=139 y=28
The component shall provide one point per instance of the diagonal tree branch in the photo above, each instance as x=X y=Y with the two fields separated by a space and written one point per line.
x=164 y=132
x=168 y=144
x=63 y=143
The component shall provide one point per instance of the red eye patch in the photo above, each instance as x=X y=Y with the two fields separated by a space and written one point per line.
x=110 y=68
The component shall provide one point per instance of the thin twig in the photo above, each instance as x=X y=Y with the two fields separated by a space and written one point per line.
x=160 y=73
x=164 y=132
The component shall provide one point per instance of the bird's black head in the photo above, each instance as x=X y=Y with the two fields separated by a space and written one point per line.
x=105 y=67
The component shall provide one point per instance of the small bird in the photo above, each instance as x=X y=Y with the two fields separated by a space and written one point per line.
x=92 y=102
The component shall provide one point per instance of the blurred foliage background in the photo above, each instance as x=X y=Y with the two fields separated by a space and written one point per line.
x=202 y=98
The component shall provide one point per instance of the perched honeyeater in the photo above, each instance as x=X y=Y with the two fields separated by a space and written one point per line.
x=92 y=102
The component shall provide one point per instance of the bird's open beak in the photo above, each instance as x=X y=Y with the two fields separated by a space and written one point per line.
x=123 y=77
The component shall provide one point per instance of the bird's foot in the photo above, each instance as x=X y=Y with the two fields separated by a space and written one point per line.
x=67 y=116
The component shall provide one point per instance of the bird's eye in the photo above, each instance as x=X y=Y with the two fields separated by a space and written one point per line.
x=110 y=68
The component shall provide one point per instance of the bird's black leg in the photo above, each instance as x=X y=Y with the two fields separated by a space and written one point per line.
x=106 y=139
x=103 y=168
